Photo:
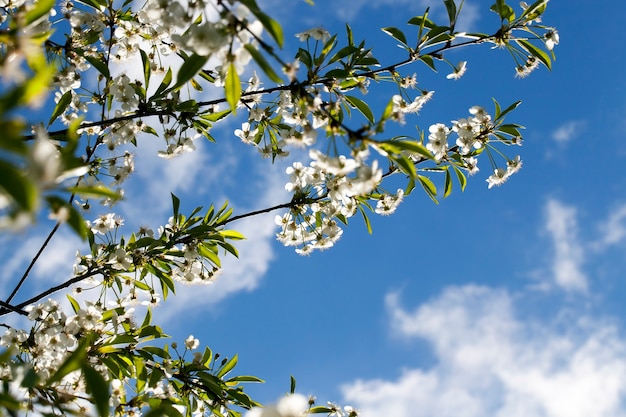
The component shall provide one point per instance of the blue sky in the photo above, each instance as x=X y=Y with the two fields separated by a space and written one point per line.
x=506 y=301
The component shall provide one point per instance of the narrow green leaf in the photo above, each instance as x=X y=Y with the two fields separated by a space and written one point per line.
x=175 y=206
x=319 y=409
x=232 y=234
x=405 y=164
x=535 y=10
x=429 y=187
x=414 y=147
x=245 y=378
x=292 y=385
x=366 y=219
x=228 y=366
x=61 y=106
x=349 y=35
x=362 y=107
x=508 y=109
x=40 y=9
x=536 y=52
x=421 y=21
x=451 y=8
x=510 y=129
x=428 y=60
x=190 y=68
x=217 y=116
x=272 y=26
x=98 y=387
x=342 y=53
x=461 y=177
x=95 y=191
x=232 y=87
x=99 y=65
x=73 y=362
x=497 y=107
x=167 y=80
x=73 y=302
x=447 y=189
x=146 y=68
x=262 y=63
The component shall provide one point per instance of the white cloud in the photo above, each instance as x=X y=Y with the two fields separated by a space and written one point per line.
x=255 y=253
x=562 y=225
x=568 y=130
x=613 y=229
x=491 y=362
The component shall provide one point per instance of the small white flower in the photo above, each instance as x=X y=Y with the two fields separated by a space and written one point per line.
x=319 y=34
x=458 y=72
x=499 y=177
x=192 y=343
x=551 y=38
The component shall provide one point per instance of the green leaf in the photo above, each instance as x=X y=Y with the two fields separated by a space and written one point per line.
x=292 y=384
x=349 y=35
x=305 y=57
x=98 y=387
x=366 y=219
x=405 y=164
x=190 y=68
x=361 y=106
x=217 y=116
x=510 y=129
x=157 y=351
x=73 y=302
x=99 y=65
x=228 y=366
x=509 y=109
x=503 y=10
x=18 y=186
x=421 y=21
x=319 y=409
x=167 y=80
x=74 y=361
x=146 y=67
x=262 y=63
x=342 y=53
x=428 y=60
x=461 y=177
x=429 y=187
x=232 y=234
x=535 y=10
x=414 y=147
x=245 y=378
x=272 y=26
x=61 y=106
x=40 y=9
x=175 y=206
x=451 y=8
x=97 y=190
x=536 y=52
x=396 y=34
x=232 y=87
x=447 y=189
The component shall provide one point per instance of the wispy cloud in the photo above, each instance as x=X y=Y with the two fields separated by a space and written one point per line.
x=568 y=131
x=255 y=253
x=613 y=229
x=562 y=225
x=491 y=362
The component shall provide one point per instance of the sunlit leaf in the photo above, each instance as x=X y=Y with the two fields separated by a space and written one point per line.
x=232 y=87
